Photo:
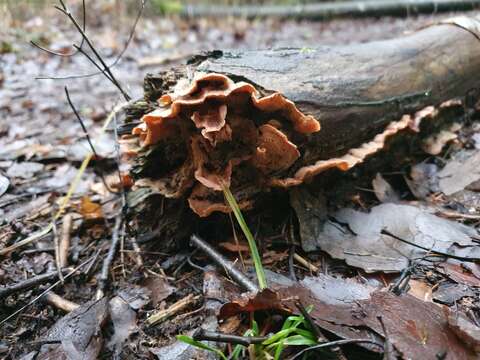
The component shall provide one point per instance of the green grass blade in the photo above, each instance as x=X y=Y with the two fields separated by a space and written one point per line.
x=298 y=340
x=189 y=340
x=257 y=261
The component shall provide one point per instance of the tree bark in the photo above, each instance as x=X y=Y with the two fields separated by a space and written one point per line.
x=335 y=9
x=359 y=94
x=356 y=90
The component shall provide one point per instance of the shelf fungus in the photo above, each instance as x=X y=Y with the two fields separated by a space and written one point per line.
x=254 y=120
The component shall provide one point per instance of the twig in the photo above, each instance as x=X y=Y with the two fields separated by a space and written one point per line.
x=225 y=264
x=104 y=68
x=103 y=278
x=113 y=64
x=315 y=329
x=59 y=302
x=172 y=310
x=64 y=244
x=51 y=52
x=57 y=255
x=82 y=124
x=387 y=346
x=291 y=267
x=205 y=335
x=192 y=264
x=45 y=231
x=335 y=343
x=87 y=136
x=131 y=235
x=401 y=283
x=136 y=250
x=29 y=283
x=305 y=263
x=337 y=351
x=452 y=256
x=44 y=292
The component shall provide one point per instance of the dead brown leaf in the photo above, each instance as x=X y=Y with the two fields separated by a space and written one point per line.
x=264 y=300
x=468 y=332
x=90 y=210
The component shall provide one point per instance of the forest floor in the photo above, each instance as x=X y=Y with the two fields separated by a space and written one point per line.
x=42 y=146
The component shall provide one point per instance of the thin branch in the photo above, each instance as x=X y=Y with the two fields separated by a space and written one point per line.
x=337 y=351
x=82 y=124
x=387 y=346
x=335 y=343
x=452 y=256
x=225 y=264
x=89 y=58
x=103 y=278
x=45 y=292
x=114 y=63
x=104 y=68
x=60 y=302
x=57 y=254
x=51 y=52
x=87 y=136
x=29 y=283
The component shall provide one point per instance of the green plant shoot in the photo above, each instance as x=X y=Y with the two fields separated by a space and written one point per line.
x=257 y=261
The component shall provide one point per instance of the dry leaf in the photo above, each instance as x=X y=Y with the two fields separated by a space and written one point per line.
x=90 y=210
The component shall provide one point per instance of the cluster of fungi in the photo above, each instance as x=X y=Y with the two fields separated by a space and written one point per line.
x=217 y=133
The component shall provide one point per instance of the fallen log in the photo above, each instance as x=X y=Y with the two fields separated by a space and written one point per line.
x=254 y=120
x=328 y=10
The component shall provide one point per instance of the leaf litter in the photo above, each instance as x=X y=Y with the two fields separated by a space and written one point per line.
x=432 y=312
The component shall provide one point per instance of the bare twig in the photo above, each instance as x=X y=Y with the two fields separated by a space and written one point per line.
x=387 y=346
x=335 y=343
x=172 y=310
x=452 y=256
x=80 y=120
x=205 y=335
x=64 y=244
x=51 y=52
x=225 y=264
x=113 y=64
x=291 y=266
x=305 y=263
x=59 y=302
x=103 y=278
x=131 y=235
x=29 y=283
x=87 y=136
x=103 y=66
x=315 y=329
x=136 y=250
x=57 y=255
x=34 y=300
x=337 y=351
x=46 y=230
x=401 y=283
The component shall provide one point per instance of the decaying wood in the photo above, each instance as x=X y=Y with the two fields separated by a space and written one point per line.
x=333 y=9
x=277 y=118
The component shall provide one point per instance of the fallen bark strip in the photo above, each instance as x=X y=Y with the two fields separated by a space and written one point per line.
x=277 y=118
x=334 y=9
